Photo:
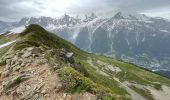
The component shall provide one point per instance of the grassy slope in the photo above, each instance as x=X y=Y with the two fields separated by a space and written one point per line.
x=8 y=38
x=135 y=73
x=37 y=36
x=4 y=38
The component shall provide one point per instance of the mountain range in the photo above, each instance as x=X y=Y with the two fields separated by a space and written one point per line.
x=136 y=39
x=36 y=64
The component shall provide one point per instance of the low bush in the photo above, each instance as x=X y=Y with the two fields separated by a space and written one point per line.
x=73 y=81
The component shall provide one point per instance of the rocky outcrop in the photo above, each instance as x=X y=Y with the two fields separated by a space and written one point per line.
x=26 y=75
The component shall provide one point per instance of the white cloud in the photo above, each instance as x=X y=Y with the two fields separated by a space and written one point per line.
x=16 y=9
x=159 y=12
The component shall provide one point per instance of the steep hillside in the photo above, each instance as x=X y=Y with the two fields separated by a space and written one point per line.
x=40 y=65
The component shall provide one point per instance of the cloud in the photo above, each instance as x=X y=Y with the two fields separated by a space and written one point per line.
x=16 y=9
x=159 y=12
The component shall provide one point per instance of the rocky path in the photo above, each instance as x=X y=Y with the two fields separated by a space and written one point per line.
x=26 y=75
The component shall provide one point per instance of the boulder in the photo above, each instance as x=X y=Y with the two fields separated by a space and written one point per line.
x=69 y=58
x=69 y=55
x=26 y=54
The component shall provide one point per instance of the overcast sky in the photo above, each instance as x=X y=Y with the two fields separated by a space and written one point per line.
x=16 y=9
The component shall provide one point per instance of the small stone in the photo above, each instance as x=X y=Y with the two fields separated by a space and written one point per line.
x=5 y=73
x=8 y=56
x=27 y=65
x=35 y=97
x=28 y=87
x=64 y=95
x=29 y=61
x=8 y=61
x=7 y=67
x=43 y=91
x=17 y=68
x=30 y=48
x=68 y=97
x=69 y=55
x=12 y=63
x=26 y=54
x=15 y=58
x=19 y=54
x=23 y=64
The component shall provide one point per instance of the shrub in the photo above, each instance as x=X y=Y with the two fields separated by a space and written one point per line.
x=73 y=81
x=157 y=86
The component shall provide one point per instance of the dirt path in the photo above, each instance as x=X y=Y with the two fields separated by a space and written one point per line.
x=163 y=94
x=134 y=95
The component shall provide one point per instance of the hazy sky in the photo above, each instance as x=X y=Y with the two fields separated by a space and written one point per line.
x=16 y=9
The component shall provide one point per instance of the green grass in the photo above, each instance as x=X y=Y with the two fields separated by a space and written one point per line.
x=5 y=39
x=103 y=80
x=73 y=81
x=135 y=73
x=5 y=49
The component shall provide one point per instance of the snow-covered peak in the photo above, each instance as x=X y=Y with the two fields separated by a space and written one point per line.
x=67 y=20
x=142 y=17
x=65 y=17
x=131 y=17
x=90 y=17
x=118 y=15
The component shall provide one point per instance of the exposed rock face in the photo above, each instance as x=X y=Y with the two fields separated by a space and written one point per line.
x=63 y=55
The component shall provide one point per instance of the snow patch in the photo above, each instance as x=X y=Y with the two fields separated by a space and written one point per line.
x=51 y=27
x=6 y=44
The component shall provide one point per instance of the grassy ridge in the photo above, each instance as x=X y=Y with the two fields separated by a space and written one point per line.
x=4 y=38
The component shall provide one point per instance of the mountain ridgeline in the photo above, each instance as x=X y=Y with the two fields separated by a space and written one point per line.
x=38 y=64
x=136 y=39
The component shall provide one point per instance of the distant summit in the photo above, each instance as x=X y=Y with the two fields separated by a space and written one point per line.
x=118 y=16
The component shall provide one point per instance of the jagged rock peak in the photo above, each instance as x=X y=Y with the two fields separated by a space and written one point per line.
x=118 y=16
x=90 y=17
x=93 y=16
x=65 y=16
x=130 y=16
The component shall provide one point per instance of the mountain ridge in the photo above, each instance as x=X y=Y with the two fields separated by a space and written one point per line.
x=133 y=39
x=39 y=61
